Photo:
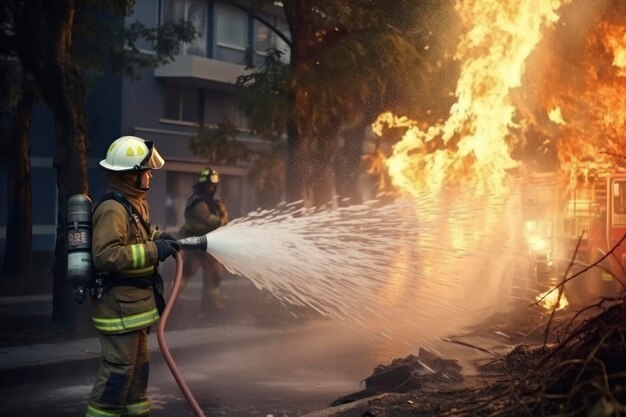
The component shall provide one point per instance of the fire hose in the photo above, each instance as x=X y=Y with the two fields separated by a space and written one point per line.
x=163 y=345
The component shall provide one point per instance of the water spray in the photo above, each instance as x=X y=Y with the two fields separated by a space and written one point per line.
x=431 y=265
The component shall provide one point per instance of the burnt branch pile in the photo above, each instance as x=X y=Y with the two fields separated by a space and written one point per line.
x=584 y=374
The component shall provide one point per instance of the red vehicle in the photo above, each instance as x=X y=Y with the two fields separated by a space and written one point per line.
x=585 y=208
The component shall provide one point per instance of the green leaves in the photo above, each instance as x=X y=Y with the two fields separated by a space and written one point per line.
x=218 y=144
x=265 y=102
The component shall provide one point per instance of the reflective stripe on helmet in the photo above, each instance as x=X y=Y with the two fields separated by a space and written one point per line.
x=210 y=175
x=134 y=322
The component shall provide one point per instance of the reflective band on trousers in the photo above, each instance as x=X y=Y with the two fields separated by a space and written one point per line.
x=96 y=412
x=134 y=322
x=138 y=409
x=139 y=256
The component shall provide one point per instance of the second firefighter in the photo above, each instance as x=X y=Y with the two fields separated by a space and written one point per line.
x=203 y=214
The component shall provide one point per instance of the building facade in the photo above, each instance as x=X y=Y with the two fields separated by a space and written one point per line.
x=165 y=105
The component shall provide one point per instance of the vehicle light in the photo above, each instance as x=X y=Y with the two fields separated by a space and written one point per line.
x=537 y=243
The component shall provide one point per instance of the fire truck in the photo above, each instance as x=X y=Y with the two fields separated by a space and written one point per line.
x=572 y=222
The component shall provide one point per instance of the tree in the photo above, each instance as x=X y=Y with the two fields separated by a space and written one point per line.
x=40 y=35
x=349 y=61
x=16 y=124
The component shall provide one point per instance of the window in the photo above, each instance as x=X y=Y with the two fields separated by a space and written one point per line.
x=265 y=38
x=145 y=11
x=195 y=12
x=281 y=45
x=262 y=38
x=236 y=116
x=179 y=186
x=231 y=27
x=619 y=197
x=182 y=104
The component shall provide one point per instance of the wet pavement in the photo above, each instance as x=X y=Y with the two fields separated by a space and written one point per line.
x=257 y=358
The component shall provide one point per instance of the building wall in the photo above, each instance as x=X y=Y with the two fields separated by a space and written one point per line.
x=117 y=106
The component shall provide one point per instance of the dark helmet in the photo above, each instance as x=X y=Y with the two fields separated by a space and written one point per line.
x=208 y=176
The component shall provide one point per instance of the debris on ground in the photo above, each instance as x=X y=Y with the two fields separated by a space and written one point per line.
x=407 y=374
x=572 y=364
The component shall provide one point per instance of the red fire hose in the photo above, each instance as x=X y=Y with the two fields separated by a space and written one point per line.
x=163 y=345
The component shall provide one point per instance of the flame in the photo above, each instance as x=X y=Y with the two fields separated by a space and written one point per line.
x=544 y=76
x=615 y=40
x=556 y=116
x=550 y=300
x=471 y=146
x=585 y=77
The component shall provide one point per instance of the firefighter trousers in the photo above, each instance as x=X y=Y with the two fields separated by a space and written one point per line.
x=122 y=380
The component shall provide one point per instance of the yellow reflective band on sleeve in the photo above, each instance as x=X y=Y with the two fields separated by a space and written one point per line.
x=139 y=256
x=134 y=322
x=138 y=409
x=96 y=412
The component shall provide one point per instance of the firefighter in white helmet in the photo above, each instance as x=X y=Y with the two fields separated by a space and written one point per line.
x=126 y=297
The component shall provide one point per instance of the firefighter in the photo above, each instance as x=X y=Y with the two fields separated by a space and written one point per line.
x=126 y=297
x=203 y=214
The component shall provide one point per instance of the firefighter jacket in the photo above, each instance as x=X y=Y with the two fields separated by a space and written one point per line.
x=123 y=249
x=203 y=214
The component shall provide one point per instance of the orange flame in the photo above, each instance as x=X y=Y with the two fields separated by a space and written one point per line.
x=586 y=80
x=550 y=300
x=472 y=145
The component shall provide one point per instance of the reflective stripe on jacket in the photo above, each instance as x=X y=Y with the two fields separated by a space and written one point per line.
x=122 y=247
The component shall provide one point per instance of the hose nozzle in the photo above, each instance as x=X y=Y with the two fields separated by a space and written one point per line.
x=194 y=242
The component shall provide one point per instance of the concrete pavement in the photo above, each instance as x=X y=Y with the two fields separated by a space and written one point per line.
x=22 y=364
x=48 y=362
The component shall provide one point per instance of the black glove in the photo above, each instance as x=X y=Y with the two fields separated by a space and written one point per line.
x=166 y=247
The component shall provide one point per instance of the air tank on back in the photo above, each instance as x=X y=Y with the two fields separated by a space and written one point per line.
x=79 y=261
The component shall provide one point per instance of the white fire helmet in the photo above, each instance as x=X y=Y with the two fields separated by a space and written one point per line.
x=130 y=153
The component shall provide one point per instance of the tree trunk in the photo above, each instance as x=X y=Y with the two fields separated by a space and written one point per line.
x=293 y=180
x=349 y=165
x=321 y=181
x=18 y=246
x=70 y=163
x=64 y=93
x=299 y=146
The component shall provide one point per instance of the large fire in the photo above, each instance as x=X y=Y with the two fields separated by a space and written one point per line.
x=472 y=145
x=588 y=83
x=544 y=76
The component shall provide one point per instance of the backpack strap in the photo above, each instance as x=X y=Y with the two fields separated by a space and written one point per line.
x=120 y=198
x=133 y=214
